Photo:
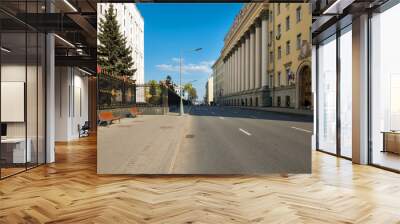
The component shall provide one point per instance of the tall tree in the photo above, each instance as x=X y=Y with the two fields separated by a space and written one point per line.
x=114 y=55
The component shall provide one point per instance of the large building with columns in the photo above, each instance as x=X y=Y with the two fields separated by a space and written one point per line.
x=266 y=57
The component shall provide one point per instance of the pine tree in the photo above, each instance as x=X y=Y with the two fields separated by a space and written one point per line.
x=113 y=54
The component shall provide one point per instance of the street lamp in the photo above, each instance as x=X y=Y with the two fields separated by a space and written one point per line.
x=181 y=111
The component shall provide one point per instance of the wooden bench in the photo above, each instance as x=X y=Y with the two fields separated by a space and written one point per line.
x=108 y=117
x=134 y=112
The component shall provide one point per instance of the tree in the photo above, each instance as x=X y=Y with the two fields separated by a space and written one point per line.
x=169 y=83
x=153 y=87
x=168 y=80
x=114 y=56
x=192 y=93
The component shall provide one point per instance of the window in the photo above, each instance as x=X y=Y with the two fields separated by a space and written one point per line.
x=345 y=93
x=279 y=31
x=23 y=79
x=327 y=98
x=278 y=6
x=298 y=14
x=298 y=41
x=279 y=79
x=288 y=76
x=287 y=101
x=271 y=57
x=385 y=89
x=279 y=52
x=287 y=23
x=271 y=80
x=271 y=36
x=287 y=47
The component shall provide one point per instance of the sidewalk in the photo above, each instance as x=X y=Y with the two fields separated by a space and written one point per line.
x=143 y=145
x=282 y=110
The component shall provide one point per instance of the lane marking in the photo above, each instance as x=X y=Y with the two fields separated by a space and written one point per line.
x=300 y=129
x=222 y=118
x=247 y=133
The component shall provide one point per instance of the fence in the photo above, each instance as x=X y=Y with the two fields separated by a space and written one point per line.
x=120 y=92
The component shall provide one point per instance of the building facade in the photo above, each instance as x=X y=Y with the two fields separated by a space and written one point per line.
x=289 y=45
x=266 y=57
x=218 y=80
x=132 y=27
x=209 y=98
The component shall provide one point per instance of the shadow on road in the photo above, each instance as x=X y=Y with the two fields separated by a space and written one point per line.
x=217 y=111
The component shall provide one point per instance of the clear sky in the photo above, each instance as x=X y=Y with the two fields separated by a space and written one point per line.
x=172 y=28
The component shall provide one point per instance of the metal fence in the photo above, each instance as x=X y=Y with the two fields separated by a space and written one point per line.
x=119 y=92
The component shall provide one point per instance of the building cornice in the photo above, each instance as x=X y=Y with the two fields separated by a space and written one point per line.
x=247 y=17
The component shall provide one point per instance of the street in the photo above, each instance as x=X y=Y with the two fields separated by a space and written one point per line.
x=239 y=141
x=207 y=140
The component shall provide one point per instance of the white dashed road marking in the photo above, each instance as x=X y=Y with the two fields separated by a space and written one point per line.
x=244 y=131
x=300 y=129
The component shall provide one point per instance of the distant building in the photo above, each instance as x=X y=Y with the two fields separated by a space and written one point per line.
x=132 y=27
x=266 y=58
x=209 y=98
x=218 y=80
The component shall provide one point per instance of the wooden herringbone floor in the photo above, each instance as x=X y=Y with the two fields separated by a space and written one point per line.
x=69 y=191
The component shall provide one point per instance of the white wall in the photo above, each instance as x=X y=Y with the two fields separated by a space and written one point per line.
x=71 y=102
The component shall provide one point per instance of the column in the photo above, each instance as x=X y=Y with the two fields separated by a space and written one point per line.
x=238 y=67
x=264 y=50
x=50 y=93
x=258 y=55
x=224 y=77
x=247 y=63
x=227 y=76
x=243 y=77
x=360 y=90
x=233 y=72
x=252 y=61
x=228 y=83
x=230 y=73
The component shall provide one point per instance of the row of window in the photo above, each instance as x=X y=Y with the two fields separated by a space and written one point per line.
x=298 y=9
x=289 y=78
x=298 y=46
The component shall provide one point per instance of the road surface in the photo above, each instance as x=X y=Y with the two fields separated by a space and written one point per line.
x=227 y=140
x=207 y=140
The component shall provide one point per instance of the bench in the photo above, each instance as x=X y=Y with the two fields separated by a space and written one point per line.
x=108 y=117
x=134 y=112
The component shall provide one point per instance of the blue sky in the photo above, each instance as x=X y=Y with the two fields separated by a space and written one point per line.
x=171 y=28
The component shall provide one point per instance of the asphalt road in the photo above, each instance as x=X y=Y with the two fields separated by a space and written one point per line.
x=226 y=140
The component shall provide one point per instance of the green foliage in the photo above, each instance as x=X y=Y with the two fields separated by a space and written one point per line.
x=154 y=91
x=113 y=53
x=192 y=93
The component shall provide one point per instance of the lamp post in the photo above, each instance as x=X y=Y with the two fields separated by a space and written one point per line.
x=181 y=111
